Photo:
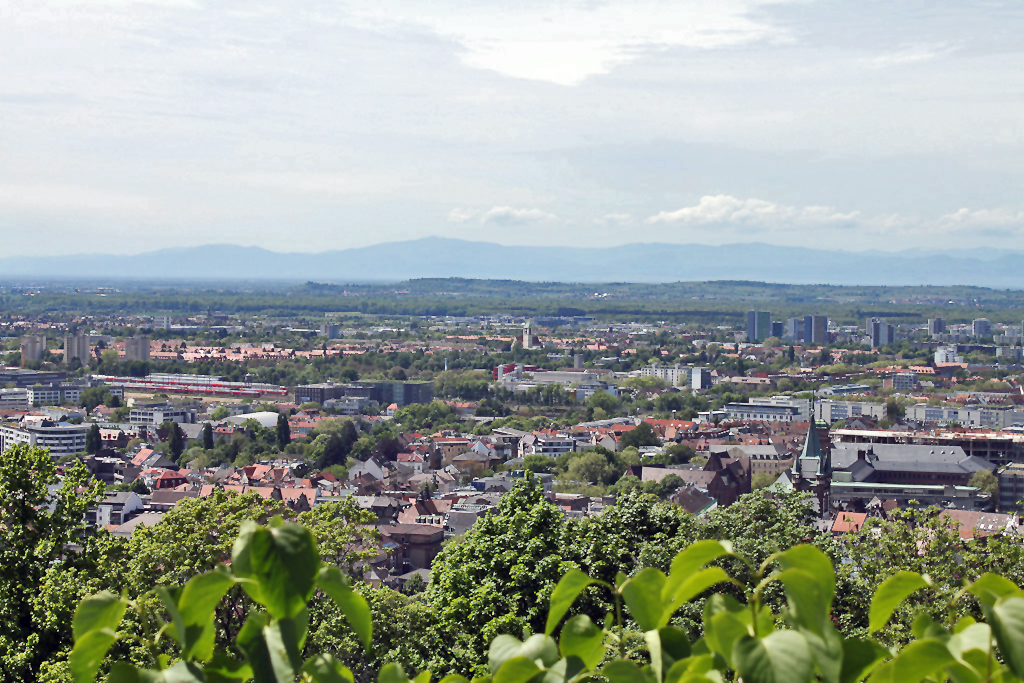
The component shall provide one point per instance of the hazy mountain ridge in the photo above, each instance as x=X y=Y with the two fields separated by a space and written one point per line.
x=441 y=257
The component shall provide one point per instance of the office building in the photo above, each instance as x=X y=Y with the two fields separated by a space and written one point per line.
x=330 y=330
x=795 y=329
x=947 y=354
x=778 y=328
x=802 y=405
x=32 y=347
x=833 y=411
x=700 y=378
x=1014 y=353
x=936 y=326
x=759 y=326
x=816 y=329
x=77 y=346
x=23 y=379
x=762 y=413
x=61 y=438
x=880 y=332
x=14 y=399
x=384 y=393
x=137 y=348
x=158 y=413
x=981 y=327
x=1011 y=487
x=161 y=322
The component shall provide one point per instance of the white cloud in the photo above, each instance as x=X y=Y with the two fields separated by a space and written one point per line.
x=987 y=222
x=459 y=215
x=565 y=42
x=913 y=54
x=500 y=215
x=615 y=219
x=757 y=213
x=45 y=198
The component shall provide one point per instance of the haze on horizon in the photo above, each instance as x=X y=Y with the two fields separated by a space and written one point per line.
x=131 y=125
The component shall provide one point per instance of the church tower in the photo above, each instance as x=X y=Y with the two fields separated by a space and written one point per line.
x=813 y=471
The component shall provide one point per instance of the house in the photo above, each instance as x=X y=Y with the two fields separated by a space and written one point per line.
x=115 y=509
x=164 y=500
x=417 y=544
x=145 y=519
x=846 y=522
x=370 y=468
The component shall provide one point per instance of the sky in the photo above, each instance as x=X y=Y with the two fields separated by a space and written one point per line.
x=132 y=125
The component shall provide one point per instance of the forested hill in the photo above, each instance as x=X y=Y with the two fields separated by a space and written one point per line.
x=640 y=262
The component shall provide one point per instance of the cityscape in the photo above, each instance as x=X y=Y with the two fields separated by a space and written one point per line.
x=559 y=342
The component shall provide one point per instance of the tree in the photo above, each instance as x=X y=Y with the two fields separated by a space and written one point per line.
x=762 y=480
x=39 y=580
x=219 y=413
x=208 y=436
x=284 y=432
x=538 y=462
x=175 y=439
x=414 y=585
x=642 y=435
x=986 y=481
x=93 y=442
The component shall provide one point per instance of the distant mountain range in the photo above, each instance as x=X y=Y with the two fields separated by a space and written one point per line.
x=440 y=257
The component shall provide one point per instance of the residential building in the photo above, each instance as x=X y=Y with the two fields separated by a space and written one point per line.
x=981 y=327
x=32 y=347
x=700 y=378
x=414 y=545
x=77 y=346
x=14 y=399
x=61 y=438
x=936 y=326
x=1014 y=353
x=44 y=395
x=136 y=348
x=161 y=322
x=947 y=354
x=676 y=375
x=795 y=329
x=115 y=509
x=552 y=445
x=901 y=381
x=759 y=326
x=330 y=330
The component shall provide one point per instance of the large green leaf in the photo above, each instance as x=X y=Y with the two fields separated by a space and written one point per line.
x=625 y=671
x=1006 y=617
x=582 y=638
x=180 y=672
x=693 y=558
x=990 y=587
x=88 y=653
x=919 y=659
x=326 y=669
x=568 y=589
x=353 y=605
x=781 y=657
x=100 y=611
x=271 y=650
x=687 y=590
x=815 y=563
x=890 y=594
x=808 y=601
x=279 y=564
x=197 y=603
x=860 y=657
x=643 y=596
x=392 y=673
x=222 y=668
x=169 y=598
x=826 y=647
x=538 y=648
x=722 y=632
x=516 y=670
x=666 y=646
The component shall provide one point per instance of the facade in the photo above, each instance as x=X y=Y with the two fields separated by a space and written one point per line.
x=761 y=412
x=700 y=378
x=833 y=411
x=795 y=329
x=330 y=330
x=161 y=322
x=993 y=418
x=816 y=329
x=384 y=393
x=44 y=395
x=936 y=326
x=1011 y=487
x=158 y=413
x=1014 y=353
x=137 y=348
x=676 y=375
x=904 y=381
x=802 y=405
x=61 y=438
x=32 y=347
x=881 y=332
x=981 y=327
x=14 y=399
x=77 y=346
x=947 y=354
x=759 y=326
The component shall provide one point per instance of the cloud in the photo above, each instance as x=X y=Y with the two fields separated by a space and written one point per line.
x=566 y=42
x=757 y=213
x=615 y=219
x=63 y=198
x=998 y=222
x=913 y=54
x=501 y=215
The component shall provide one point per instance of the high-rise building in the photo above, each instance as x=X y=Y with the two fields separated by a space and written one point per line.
x=136 y=348
x=881 y=333
x=700 y=378
x=77 y=346
x=936 y=326
x=816 y=329
x=32 y=347
x=161 y=322
x=759 y=326
x=778 y=328
x=795 y=329
x=330 y=330
x=981 y=327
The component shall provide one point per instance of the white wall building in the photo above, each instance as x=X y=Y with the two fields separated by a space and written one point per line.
x=60 y=438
